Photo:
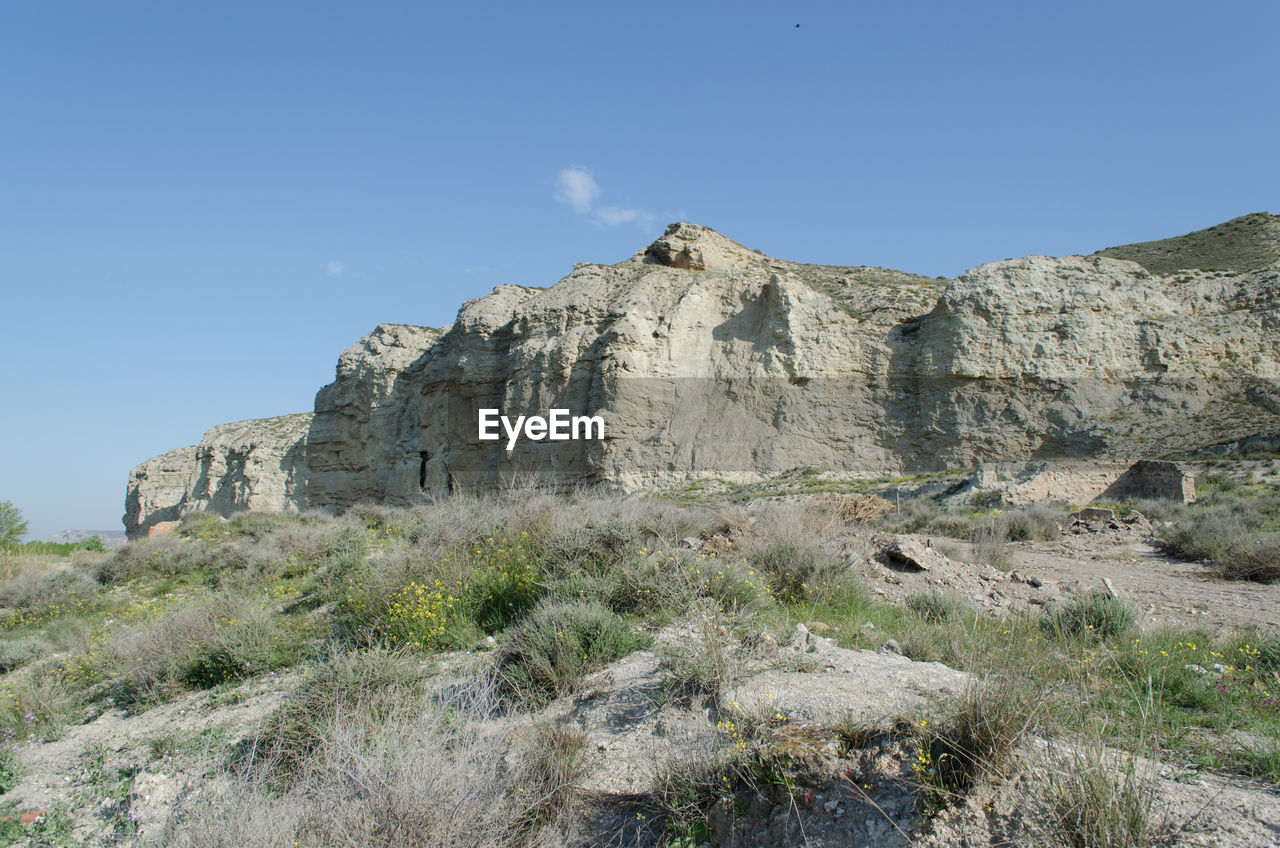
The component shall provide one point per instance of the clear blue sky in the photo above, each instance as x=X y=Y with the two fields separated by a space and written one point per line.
x=202 y=205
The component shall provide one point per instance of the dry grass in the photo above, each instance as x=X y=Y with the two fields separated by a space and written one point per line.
x=858 y=509
x=364 y=683
x=558 y=644
x=225 y=637
x=419 y=773
x=36 y=583
x=977 y=740
x=1234 y=531
x=369 y=750
x=701 y=669
x=793 y=547
x=991 y=546
x=1093 y=797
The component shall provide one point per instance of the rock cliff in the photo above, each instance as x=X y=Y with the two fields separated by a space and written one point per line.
x=249 y=465
x=355 y=437
x=709 y=360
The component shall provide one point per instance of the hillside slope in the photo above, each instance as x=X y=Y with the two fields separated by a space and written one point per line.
x=1248 y=243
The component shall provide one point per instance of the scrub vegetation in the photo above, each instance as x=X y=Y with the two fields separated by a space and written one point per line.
x=410 y=638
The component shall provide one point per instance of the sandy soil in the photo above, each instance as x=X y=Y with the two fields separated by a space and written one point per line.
x=1168 y=591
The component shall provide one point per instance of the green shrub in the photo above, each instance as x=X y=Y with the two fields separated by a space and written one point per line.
x=1094 y=614
x=935 y=606
x=54 y=828
x=797 y=570
x=48 y=591
x=137 y=557
x=1208 y=535
x=347 y=687
x=210 y=527
x=10 y=769
x=557 y=644
x=421 y=616
x=504 y=582
x=228 y=637
x=239 y=648
x=408 y=599
x=594 y=547
x=397 y=601
x=1256 y=559
x=1236 y=536
x=15 y=653
x=1037 y=522
x=579 y=586
x=652 y=584
x=733 y=585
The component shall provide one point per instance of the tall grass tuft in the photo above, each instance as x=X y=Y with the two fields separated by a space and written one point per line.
x=1092 y=797
x=547 y=653
x=1097 y=614
x=977 y=739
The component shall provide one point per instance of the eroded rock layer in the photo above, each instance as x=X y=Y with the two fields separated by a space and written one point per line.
x=249 y=465
x=355 y=438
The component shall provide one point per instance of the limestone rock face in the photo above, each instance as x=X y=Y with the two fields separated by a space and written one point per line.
x=157 y=491
x=255 y=465
x=354 y=437
x=751 y=367
x=709 y=360
x=1091 y=357
x=739 y=370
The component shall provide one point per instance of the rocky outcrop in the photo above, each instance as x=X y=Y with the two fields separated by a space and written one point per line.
x=1080 y=482
x=249 y=465
x=157 y=493
x=354 y=439
x=750 y=367
x=739 y=370
x=708 y=360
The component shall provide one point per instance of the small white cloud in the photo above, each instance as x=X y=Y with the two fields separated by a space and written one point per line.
x=616 y=216
x=335 y=268
x=577 y=188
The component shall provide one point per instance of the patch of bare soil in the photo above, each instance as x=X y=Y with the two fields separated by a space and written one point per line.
x=1168 y=591
x=121 y=774
x=1187 y=809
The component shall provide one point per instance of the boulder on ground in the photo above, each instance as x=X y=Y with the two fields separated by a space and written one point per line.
x=1090 y=514
x=903 y=551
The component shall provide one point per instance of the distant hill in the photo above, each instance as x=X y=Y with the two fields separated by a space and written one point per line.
x=1241 y=244
x=110 y=538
